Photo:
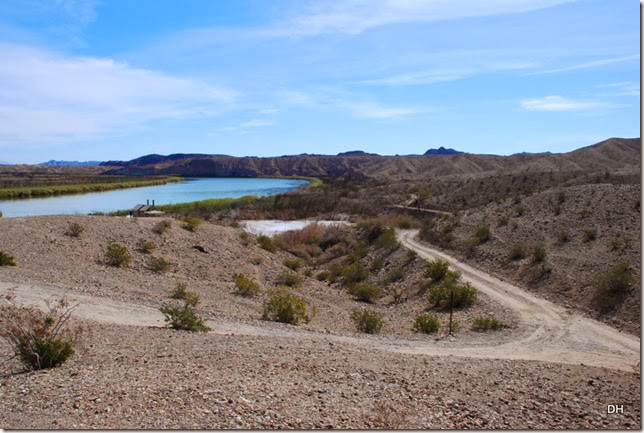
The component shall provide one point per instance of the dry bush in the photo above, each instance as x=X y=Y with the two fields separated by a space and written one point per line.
x=117 y=255
x=538 y=254
x=288 y=279
x=266 y=243
x=367 y=321
x=612 y=287
x=145 y=246
x=245 y=286
x=74 y=230
x=590 y=234
x=365 y=292
x=158 y=264
x=162 y=226
x=354 y=273
x=190 y=223
x=485 y=323
x=293 y=264
x=180 y=291
x=39 y=339
x=6 y=259
x=517 y=251
x=285 y=307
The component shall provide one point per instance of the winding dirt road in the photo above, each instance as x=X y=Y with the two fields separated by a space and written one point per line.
x=547 y=332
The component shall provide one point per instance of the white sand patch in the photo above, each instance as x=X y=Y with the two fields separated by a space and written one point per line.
x=273 y=227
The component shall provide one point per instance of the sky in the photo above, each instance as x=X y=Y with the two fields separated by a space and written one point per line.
x=118 y=79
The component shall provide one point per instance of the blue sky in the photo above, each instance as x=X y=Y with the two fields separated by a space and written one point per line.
x=117 y=79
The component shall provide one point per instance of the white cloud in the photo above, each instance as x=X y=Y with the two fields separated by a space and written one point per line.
x=356 y=16
x=370 y=110
x=256 y=122
x=557 y=103
x=588 y=65
x=47 y=97
x=625 y=88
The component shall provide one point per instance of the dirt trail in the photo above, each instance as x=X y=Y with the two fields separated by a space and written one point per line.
x=547 y=333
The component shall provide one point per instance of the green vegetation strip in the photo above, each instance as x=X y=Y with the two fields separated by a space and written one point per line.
x=42 y=191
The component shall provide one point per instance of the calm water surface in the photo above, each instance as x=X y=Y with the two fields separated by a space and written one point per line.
x=190 y=190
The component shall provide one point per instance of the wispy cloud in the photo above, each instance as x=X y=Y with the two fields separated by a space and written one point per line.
x=588 y=65
x=557 y=103
x=625 y=88
x=371 y=110
x=49 y=97
x=253 y=123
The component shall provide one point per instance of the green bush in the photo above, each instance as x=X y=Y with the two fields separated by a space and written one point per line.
x=370 y=230
x=484 y=323
x=158 y=264
x=266 y=243
x=180 y=291
x=6 y=259
x=387 y=240
x=483 y=233
x=144 y=246
x=323 y=275
x=397 y=274
x=190 y=223
x=288 y=279
x=74 y=230
x=517 y=251
x=612 y=287
x=185 y=318
x=563 y=236
x=39 y=339
x=365 y=292
x=354 y=273
x=440 y=295
x=367 y=321
x=377 y=264
x=426 y=323
x=293 y=264
x=615 y=244
x=245 y=286
x=590 y=234
x=117 y=255
x=285 y=307
x=162 y=226
x=538 y=254
x=436 y=269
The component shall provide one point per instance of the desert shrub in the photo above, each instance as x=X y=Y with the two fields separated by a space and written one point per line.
x=304 y=242
x=470 y=247
x=180 y=291
x=145 y=246
x=117 y=255
x=293 y=264
x=323 y=275
x=584 y=213
x=426 y=323
x=39 y=339
x=615 y=244
x=158 y=264
x=74 y=230
x=502 y=221
x=440 y=295
x=612 y=287
x=387 y=240
x=288 y=279
x=563 y=236
x=6 y=259
x=367 y=321
x=538 y=253
x=370 y=230
x=162 y=226
x=519 y=210
x=404 y=223
x=285 y=307
x=590 y=234
x=561 y=197
x=484 y=323
x=436 y=269
x=557 y=210
x=483 y=233
x=245 y=286
x=354 y=273
x=377 y=264
x=397 y=274
x=190 y=223
x=365 y=292
x=517 y=251
x=246 y=238
x=256 y=260
x=308 y=272
x=185 y=318
x=266 y=243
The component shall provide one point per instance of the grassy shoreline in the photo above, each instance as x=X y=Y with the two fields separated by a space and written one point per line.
x=54 y=190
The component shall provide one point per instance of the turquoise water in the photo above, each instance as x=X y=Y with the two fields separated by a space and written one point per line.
x=192 y=189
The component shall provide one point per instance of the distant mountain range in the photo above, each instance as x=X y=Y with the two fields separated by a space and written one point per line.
x=442 y=151
x=65 y=163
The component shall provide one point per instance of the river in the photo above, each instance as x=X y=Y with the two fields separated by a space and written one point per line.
x=192 y=189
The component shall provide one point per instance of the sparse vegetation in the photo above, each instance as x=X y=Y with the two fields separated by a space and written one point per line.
x=256 y=260
x=145 y=246
x=612 y=287
x=285 y=307
x=485 y=323
x=538 y=254
x=426 y=323
x=590 y=234
x=74 y=230
x=563 y=236
x=517 y=251
x=293 y=264
x=180 y=291
x=323 y=275
x=190 y=223
x=185 y=318
x=117 y=255
x=245 y=286
x=158 y=264
x=519 y=210
x=483 y=233
x=162 y=226
x=354 y=273
x=440 y=295
x=288 y=279
x=39 y=339
x=6 y=259
x=246 y=238
x=367 y=321
x=365 y=292
x=267 y=243
x=436 y=269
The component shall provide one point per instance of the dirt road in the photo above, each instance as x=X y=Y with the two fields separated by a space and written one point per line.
x=547 y=332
